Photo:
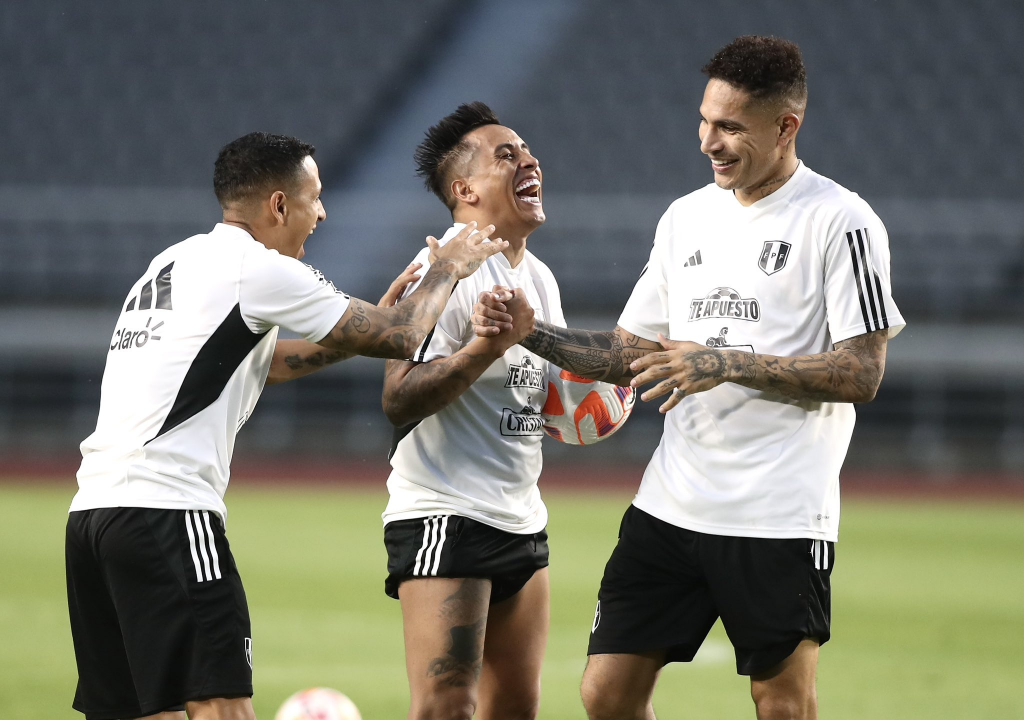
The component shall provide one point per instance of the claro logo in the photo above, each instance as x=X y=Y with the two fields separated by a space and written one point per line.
x=127 y=338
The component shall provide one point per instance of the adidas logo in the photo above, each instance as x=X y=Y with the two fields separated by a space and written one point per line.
x=694 y=260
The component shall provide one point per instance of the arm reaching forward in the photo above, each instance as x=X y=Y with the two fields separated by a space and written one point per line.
x=395 y=332
x=298 y=358
x=851 y=372
x=591 y=354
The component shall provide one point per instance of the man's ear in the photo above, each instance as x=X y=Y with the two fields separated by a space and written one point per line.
x=462 y=191
x=278 y=206
x=789 y=123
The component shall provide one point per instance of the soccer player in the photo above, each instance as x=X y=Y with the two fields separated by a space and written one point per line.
x=465 y=524
x=158 y=613
x=773 y=284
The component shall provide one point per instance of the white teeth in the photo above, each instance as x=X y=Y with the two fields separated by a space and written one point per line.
x=527 y=184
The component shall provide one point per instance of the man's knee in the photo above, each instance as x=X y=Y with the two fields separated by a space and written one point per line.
x=444 y=703
x=512 y=708
x=221 y=709
x=603 y=703
x=792 y=703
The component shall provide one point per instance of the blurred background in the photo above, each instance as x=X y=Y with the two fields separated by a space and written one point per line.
x=114 y=112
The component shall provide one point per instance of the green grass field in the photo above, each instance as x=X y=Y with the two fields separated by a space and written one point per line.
x=928 y=614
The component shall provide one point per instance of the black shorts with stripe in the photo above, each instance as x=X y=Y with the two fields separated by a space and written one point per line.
x=452 y=546
x=158 y=613
x=664 y=587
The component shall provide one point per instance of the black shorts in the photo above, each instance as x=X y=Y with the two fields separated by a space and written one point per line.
x=158 y=613
x=664 y=587
x=452 y=546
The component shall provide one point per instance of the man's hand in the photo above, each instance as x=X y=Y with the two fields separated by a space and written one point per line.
x=849 y=373
x=467 y=250
x=490 y=314
x=399 y=284
x=683 y=368
x=520 y=323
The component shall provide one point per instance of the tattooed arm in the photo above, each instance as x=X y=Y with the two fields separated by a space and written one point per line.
x=851 y=372
x=295 y=358
x=395 y=332
x=413 y=391
x=591 y=354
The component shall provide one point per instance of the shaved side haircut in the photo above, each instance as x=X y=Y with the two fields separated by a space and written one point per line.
x=444 y=148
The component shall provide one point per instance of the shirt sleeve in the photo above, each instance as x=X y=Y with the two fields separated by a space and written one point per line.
x=445 y=338
x=858 y=290
x=275 y=290
x=646 y=311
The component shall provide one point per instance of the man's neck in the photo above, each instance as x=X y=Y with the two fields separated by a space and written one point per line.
x=775 y=180
x=516 y=239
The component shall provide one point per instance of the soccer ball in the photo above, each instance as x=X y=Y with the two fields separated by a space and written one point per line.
x=582 y=412
x=318 y=704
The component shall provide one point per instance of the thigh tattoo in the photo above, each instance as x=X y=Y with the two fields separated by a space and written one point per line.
x=465 y=613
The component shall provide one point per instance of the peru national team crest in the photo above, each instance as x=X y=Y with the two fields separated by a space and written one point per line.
x=773 y=256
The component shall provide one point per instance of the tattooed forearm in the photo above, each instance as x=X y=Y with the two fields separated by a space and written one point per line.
x=850 y=373
x=295 y=358
x=394 y=332
x=413 y=391
x=591 y=354
x=315 y=360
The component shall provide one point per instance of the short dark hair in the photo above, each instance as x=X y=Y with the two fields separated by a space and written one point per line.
x=768 y=68
x=444 y=145
x=255 y=163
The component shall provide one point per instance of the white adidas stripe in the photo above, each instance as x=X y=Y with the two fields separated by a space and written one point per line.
x=192 y=547
x=426 y=541
x=213 y=545
x=201 y=538
x=428 y=559
x=437 y=557
x=202 y=544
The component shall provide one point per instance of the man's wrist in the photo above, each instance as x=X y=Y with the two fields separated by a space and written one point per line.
x=445 y=266
x=733 y=362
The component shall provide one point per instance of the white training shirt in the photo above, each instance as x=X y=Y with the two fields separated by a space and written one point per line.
x=792 y=274
x=186 y=364
x=480 y=457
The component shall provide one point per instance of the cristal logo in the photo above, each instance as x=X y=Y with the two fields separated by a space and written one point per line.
x=525 y=375
x=126 y=338
x=724 y=302
x=523 y=423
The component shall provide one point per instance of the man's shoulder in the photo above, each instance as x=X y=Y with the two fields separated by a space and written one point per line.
x=828 y=194
x=539 y=268
x=698 y=198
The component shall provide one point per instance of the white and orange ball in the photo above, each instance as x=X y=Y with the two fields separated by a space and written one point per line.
x=318 y=704
x=579 y=411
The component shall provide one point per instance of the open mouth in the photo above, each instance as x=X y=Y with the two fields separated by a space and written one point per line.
x=528 y=191
x=722 y=165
